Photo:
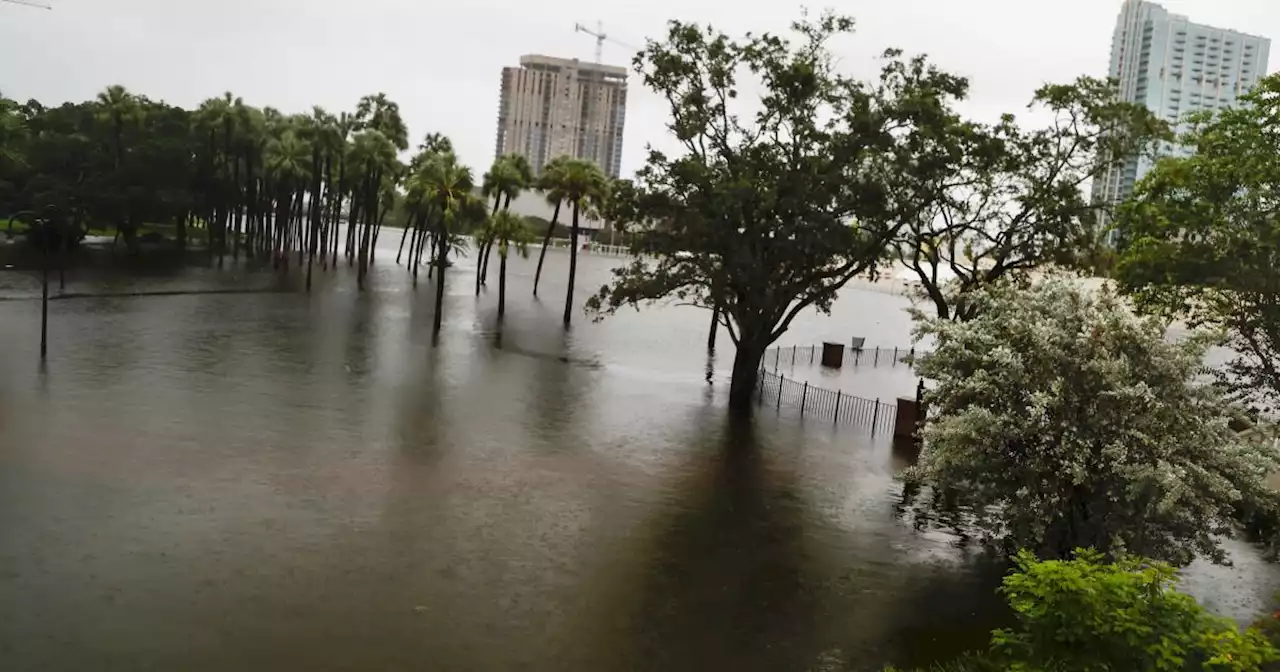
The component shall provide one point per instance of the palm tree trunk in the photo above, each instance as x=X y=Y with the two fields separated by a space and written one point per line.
x=353 y=220
x=484 y=265
x=235 y=232
x=313 y=217
x=573 y=267
x=482 y=252
x=299 y=230
x=377 y=229
x=502 y=284
x=365 y=229
x=408 y=225
x=425 y=223
x=546 y=240
x=442 y=251
x=480 y=245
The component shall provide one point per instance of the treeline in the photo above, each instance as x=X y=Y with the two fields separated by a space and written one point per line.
x=267 y=185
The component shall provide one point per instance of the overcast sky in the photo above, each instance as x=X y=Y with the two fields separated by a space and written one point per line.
x=442 y=61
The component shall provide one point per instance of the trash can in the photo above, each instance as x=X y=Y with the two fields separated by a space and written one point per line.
x=832 y=354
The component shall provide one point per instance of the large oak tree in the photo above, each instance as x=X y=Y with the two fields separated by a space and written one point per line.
x=791 y=178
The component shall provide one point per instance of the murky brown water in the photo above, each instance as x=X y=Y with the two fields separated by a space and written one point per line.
x=279 y=481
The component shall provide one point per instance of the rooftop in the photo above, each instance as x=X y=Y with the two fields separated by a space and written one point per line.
x=539 y=60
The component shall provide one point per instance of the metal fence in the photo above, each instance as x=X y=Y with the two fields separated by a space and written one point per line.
x=790 y=355
x=774 y=389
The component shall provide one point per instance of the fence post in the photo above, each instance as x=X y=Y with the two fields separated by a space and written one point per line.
x=857 y=355
x=836 y=419
x=812 y=349
x=781 y=381
x=895 y=355
x=803 y=397
x=875 y=415
x=793 y=355
x=877 y=362
x=777 y=355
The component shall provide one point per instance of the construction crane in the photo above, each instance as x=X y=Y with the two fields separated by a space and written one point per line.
x=28 y=3
x=600 y=36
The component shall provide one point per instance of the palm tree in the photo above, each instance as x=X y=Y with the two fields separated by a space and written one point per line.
x=584 y=186
x=116 y=106
x=249 y=143
x=379 y=113
x=375 y=156
x=287 y=162
x=319 y=130
x=447 y=186
x=549 y=184
x=503 y=180
x=507 y=231
x=519 y=165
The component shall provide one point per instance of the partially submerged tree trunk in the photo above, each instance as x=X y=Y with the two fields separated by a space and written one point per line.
x=502 y=284
x=405 y=234
x=442 y=252
x=573 y=266
x=715 y=324
x=546 y=240
x=746 y=372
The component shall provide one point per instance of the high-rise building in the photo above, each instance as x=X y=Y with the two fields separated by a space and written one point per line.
x=1175 y=67
x=555 y=107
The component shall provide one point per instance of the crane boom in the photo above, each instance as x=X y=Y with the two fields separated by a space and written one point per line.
x=28 y=3
x=598 y=33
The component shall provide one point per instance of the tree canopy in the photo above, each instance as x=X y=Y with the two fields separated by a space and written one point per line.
x=775 y=204
x=1203 y=236
x=1016 y=201
x=1059 y=419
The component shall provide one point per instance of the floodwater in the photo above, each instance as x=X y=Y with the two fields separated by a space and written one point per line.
x=276 y=480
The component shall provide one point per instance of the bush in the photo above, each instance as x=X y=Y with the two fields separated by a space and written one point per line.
x=1061 y=420
x=1084 y=615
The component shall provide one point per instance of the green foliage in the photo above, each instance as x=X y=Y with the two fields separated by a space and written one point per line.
x=775 y=204
x=509 y=232
x=507 y=178
x=1083 y=615
x=1015 y=201
x=240 y=173
x=1205 y=239
x=1060 y=420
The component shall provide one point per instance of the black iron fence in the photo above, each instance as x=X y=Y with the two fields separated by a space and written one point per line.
x=774 y=389
x=790 y=355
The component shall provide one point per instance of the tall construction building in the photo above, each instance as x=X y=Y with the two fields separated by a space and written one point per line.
x=1175 y=67
x=553 y=107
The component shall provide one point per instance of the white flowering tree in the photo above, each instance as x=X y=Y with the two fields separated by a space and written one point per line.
x=1060 y=420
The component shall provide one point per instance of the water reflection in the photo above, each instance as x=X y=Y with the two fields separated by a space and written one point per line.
x=283 y=481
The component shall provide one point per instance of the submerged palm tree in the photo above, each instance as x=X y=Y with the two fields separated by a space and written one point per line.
x=117 y=108
x=374 y=156
x=508 y=176
x=508 y=232
x=584 y=186
x=447 y=185
x=548 y=183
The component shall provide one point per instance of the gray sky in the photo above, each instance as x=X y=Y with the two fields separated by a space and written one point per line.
x=442 y=60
